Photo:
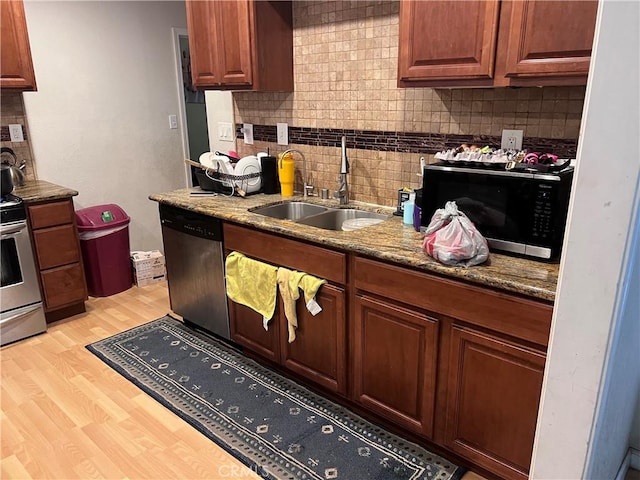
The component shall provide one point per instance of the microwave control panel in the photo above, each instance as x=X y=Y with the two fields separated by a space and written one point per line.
x=542 y=226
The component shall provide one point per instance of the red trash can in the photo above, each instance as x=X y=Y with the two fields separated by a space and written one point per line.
x=104 y=241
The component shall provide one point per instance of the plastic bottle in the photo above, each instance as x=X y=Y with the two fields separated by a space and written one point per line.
x=407 y=216
x=286 y=174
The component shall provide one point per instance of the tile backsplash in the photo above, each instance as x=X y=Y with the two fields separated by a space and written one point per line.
x=12 y=112
x=345 y=69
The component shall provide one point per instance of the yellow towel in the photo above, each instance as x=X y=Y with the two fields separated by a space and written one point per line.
x=289 y=297
x=310 y=286
x=252 y=283
x=289 y=283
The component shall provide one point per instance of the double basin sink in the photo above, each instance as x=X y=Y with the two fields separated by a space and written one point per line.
x=322 y=217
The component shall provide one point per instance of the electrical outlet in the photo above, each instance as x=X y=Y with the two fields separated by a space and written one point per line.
x=511 y=140
x=283 y=133
x=224 y=131
x=173 y=122
x=247 y=129
x=15 y=132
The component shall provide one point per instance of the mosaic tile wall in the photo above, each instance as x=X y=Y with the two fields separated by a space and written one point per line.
x=345 y=67
x=12 y=112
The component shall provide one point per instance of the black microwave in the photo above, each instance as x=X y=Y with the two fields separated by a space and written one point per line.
x=520 y=211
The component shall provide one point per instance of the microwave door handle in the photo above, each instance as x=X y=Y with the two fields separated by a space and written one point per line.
x=20 y=314
x=6 y=230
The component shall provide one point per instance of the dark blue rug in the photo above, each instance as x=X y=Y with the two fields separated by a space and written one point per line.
x=278 y=428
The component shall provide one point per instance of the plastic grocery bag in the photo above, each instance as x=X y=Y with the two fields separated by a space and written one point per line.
x=452 y=239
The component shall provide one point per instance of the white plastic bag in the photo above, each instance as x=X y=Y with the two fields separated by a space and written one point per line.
x=452 y=239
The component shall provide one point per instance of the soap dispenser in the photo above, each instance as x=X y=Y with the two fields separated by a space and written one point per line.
x=407 y=216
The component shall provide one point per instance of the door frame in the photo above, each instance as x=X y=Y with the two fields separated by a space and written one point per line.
x=176 y=33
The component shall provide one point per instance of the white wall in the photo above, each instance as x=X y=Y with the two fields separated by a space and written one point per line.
x=613 y=426
x=99 y=120
x=593 y=266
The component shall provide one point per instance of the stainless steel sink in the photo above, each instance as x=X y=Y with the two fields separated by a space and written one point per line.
x=333 y=219
x=290 y=210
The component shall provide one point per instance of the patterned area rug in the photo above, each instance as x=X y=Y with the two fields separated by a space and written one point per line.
x=278 y=428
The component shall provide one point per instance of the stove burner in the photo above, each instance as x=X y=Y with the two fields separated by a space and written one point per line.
x=9 y=200
x=12 y=209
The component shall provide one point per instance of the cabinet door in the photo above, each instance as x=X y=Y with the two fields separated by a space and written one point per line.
x=203 y=43
x=548 y=38
x=319 y=350
x=247 y=330
x=493 y=393
x=447 y=39
x=395 y=353
x=234 y=42
x=16 y=67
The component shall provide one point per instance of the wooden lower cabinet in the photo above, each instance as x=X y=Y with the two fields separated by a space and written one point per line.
x=394 y=363
x=58 y=258
x=454 y=363
x=247 y=329
x=493 y=392
x=319 y=351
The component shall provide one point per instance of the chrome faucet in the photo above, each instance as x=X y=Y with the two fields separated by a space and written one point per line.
x=305 y=186
x=343 y=192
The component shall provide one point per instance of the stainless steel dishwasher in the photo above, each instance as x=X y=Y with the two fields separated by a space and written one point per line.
x=195 y=268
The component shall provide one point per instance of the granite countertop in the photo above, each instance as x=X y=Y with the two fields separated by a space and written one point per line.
x=40 y=191
x=390 y=240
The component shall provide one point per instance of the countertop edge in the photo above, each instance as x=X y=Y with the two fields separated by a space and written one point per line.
x=407 y=255
x=40 y=191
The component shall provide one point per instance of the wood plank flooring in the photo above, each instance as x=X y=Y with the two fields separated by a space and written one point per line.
x=65 y=414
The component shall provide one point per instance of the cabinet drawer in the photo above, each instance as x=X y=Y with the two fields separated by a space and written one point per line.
x=509 y=314
x=63 y=286
x=56 y=246
x=51 y=214
x=284 y=252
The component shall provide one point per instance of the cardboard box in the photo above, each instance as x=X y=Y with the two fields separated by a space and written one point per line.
x=148 y=267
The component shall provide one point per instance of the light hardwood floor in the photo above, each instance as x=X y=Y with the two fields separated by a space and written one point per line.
x=66 y=414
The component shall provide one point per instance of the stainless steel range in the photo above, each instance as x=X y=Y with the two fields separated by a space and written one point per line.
x=21 y=314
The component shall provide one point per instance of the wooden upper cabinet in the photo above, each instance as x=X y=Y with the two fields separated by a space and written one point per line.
x=547 y=38
x=203 y=43
x=447 y=39
x=452 y=43
x=234 y=43
x=241 y=45
x=16 y=67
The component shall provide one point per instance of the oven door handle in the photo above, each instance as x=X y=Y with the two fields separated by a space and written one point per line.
x=22 y=313
x=12 y=228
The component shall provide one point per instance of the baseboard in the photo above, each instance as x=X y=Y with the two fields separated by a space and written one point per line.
x=635 y=458
x=624 y=467
x=631 y=460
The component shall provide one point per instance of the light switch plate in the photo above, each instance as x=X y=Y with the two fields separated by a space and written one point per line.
x=224 y=131
x=283 y=133
x=15 y=132
x=511 y=140
x=247 y=130
x=173 y=122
